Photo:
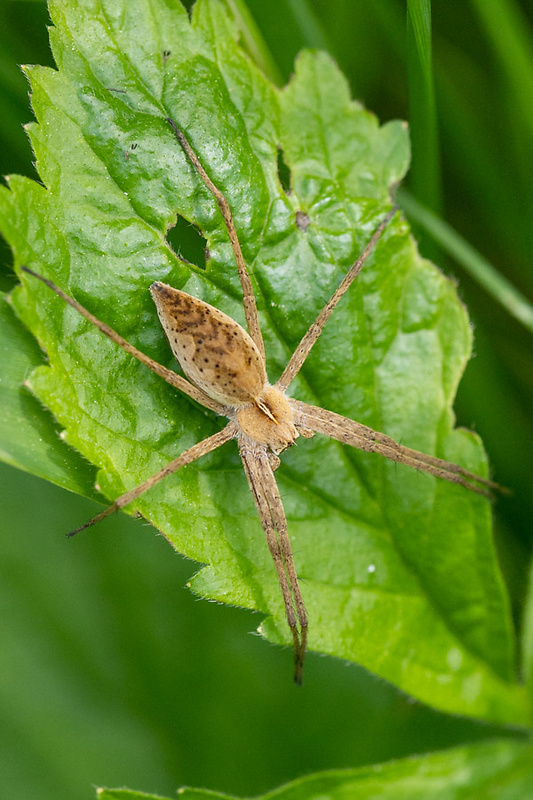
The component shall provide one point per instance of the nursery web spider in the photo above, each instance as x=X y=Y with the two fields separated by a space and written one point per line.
x=226 y=372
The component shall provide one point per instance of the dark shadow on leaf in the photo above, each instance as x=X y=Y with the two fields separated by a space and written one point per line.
x=284 y=173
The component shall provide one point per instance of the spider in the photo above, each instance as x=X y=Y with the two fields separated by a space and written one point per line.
x=226 y=372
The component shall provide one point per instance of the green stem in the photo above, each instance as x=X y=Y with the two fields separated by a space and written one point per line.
x=481 y=270
x=425 y=172
x=309 y=25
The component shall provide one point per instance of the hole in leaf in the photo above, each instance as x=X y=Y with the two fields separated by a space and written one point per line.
x=188 y=243
x=8 y=279
x=188 y=5
x=284 y=173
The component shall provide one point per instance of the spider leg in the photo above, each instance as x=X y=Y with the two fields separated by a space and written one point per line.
x=364 y=438
x=250 y=305
x=192 y=454
x=167 y=374
x=270 y=507
x=299 y=356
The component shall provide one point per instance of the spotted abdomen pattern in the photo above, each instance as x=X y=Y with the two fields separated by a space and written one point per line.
x=213 y=350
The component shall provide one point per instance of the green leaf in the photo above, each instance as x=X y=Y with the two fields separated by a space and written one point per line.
x=29 y=436
x=398 y=570
x=508 y=30
x=126 y=794
x=527 y=666
x=497 y=769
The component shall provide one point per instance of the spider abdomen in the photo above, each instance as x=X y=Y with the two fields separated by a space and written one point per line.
x=213 y=350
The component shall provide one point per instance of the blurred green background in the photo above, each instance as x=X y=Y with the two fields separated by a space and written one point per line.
x=112 y=673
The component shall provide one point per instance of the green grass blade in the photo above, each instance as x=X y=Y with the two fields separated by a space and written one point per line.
x=425 y=172
x=309 y=25
x=468 y=257
x=511 y=37
x=254 y=41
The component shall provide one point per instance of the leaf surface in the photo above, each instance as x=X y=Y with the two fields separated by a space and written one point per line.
x=29 y=436
x=480 y=771
x=398 y=570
